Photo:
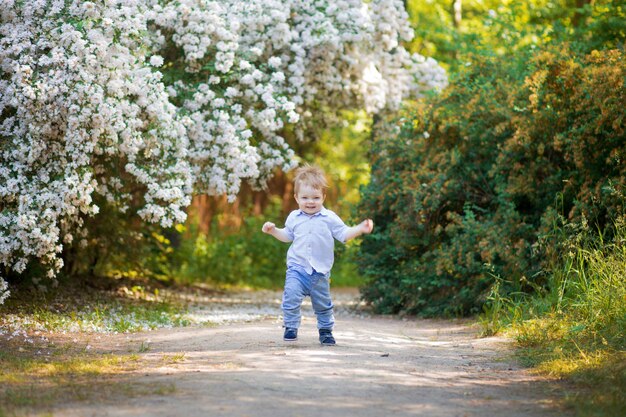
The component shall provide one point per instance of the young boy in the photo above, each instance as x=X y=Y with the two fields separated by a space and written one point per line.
x=311 y=229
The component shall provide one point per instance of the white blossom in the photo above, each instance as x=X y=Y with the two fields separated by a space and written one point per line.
x=4 y=290
x=156 y=60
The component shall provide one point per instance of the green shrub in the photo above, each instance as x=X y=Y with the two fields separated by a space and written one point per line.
x=116 y=244
x=459 y=193
x=246 y=256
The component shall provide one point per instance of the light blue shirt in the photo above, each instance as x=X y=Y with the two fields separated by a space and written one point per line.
x=312 y=239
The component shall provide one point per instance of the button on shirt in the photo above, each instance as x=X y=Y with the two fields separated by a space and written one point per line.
x=313 y=239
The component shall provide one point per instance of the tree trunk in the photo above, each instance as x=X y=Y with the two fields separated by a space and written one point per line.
x=203 y=206
x=288 y=199
x=457 y=13
x=578 y=16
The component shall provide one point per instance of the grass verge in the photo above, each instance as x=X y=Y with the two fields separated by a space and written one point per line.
x=594 y=372
x=73 y=307
x=32 y=383
x=574 y=327
x=45 y=355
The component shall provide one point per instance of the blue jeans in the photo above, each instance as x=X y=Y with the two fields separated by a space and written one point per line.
x=298 y=284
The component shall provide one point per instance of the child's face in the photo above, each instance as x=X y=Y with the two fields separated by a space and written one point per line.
x=309 y=199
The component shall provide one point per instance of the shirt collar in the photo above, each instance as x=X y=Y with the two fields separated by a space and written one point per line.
x=322 y=212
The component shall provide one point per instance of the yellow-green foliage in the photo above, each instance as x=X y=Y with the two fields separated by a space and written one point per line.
x=505 y=26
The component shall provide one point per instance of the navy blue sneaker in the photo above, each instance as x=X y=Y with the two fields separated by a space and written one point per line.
x=291 y=334
x=326 y=337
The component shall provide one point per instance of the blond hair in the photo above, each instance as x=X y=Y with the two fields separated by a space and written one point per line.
x=311 y=175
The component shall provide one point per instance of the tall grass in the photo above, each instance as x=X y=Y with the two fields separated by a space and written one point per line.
x=573 y=327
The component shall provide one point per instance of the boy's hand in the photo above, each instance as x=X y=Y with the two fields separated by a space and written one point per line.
x=268 y=227
x=362 y=228
x=280 y=234
x=367 y=226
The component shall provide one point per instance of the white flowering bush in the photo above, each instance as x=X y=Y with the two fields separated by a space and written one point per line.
x=82 y=113
x=138 y=104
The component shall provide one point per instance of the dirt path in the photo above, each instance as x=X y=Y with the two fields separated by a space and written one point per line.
x=380 y=367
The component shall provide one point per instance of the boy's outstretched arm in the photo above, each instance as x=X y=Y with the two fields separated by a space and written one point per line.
x=271 y=229
x=362 y=228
